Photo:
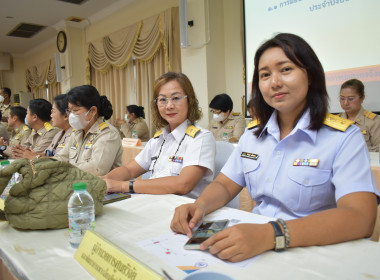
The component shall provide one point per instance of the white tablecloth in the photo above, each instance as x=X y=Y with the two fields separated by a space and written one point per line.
x=46 y=254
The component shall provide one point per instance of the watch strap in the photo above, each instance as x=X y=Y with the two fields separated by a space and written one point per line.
x=131 y=186
x=279 y=237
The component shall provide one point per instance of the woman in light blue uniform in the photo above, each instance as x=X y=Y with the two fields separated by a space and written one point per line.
x=308 y=169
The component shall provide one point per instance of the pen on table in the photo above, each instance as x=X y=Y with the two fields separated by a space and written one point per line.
x=167 y=275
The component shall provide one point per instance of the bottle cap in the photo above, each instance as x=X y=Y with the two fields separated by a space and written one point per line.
x=79 y=186
x=4 y=162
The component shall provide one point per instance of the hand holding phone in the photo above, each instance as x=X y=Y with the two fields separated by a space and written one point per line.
x=204 y=231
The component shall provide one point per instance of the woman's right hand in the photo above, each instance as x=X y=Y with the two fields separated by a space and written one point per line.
x=119 y=122
x=186 y=217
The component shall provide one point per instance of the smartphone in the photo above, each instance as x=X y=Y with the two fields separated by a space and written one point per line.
x=204 y=231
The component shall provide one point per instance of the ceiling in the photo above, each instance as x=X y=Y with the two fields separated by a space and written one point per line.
x=50 y=13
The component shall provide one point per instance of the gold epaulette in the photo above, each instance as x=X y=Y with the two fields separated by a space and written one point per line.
x=157 y=134
x=369 y=115
x=192 y=130
x=236 y=114
x=102 y=125
x=253 y=124
x=337 y=122
x=25 y=127
x=48 y=126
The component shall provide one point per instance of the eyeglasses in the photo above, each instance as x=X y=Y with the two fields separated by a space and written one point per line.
x=349 y=98
x=163 y=101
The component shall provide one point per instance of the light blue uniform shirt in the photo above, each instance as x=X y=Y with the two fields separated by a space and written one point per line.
x=285 y=191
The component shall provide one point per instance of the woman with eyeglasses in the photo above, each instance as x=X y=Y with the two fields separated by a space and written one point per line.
x=351 y=99
x=180 y=156
x=299 y=163
x=134 y=121
x=225 y=121
x=94 y=145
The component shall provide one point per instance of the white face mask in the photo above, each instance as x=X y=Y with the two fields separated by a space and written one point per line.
x=79 y=121
x=126 y=118
x=219 y=117
x=1 y=98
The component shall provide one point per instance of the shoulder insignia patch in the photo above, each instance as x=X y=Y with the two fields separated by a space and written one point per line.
x=369 y=115
x=157 y=134
x=253 y=124
x=103 y=125
x=337 y=122
x=25 y=127
x=192 y=130
x=48 y=126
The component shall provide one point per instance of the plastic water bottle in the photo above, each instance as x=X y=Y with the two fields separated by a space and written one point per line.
x=225 y=137
x=81 y=212
x=134 y=135
x=4 y=163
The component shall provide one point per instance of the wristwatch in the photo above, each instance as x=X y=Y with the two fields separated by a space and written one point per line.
x=131 y=181
x=2 y=148
x=279 y=237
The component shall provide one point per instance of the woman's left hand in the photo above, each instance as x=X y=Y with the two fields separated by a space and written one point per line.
x=240 y=242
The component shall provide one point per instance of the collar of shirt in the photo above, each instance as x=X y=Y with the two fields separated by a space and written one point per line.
x=360 y=116
x=176 y=133
x=302 y=125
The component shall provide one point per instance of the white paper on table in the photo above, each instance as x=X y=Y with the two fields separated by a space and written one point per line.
x=169 y=246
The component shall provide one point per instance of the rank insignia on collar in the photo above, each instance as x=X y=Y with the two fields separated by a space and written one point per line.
x=249 y=155
x=306 y=162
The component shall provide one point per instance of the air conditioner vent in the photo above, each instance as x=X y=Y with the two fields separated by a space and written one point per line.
x=25 y=30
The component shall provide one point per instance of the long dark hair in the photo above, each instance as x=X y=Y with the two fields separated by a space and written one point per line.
x=88 y=96
x=301 y=54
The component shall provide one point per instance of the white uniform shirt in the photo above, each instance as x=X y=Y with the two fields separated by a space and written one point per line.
x=283 y=190
x=199 y=150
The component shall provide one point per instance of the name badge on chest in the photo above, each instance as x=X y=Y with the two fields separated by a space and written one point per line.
x=249 y=155
x=176 y=159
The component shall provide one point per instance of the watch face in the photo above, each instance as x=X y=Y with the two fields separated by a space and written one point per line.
x=280 y=242
x=61 y=41
x=3 y=148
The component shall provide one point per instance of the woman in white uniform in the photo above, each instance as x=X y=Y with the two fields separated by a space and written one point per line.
x=298 y=162
x=181 y=154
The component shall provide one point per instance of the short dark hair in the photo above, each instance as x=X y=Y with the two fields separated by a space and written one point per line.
x=88 y=96
x=7 y=91
x=222 y=102
x=137 y=110
x=194 y=113
x=301 y=54
x=355 y=84
x=61 y=102
x=42 y=108
x=20 y=112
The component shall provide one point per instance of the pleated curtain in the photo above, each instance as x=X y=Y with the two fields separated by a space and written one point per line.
x=124 y=65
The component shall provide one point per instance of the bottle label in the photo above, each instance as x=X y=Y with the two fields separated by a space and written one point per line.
x=78 y=224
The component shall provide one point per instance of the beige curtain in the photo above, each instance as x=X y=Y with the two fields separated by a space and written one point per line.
x=1 y=79
x=36 y=77
x=124 y=65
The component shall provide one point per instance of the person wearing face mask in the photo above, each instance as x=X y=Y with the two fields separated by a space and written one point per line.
x=94 y=145
x=134 y=121
x=38 y=118
x=60 y=119
x=351 y=99
x=5 y=104
x=180 y=156
x=224 y=120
